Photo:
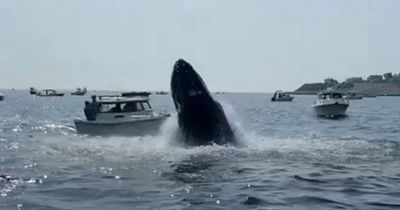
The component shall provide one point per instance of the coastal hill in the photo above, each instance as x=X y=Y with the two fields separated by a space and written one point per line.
x=377 y=85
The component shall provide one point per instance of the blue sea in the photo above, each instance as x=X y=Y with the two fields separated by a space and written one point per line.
x=289 y=158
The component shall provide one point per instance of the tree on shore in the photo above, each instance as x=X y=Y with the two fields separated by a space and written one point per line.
x=330 y=82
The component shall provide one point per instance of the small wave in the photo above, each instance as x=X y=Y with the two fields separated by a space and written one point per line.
x=380 y=204
x=313 y=200
x=250 y=200
x=300 y=178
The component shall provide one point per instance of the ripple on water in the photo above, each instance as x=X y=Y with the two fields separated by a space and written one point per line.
x=315 y=200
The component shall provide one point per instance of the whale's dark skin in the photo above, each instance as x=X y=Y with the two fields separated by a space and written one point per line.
x=201 y=119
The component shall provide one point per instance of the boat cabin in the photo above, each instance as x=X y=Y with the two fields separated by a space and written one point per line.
x=137 y=104
x=330 y=95
x=116 y=107
x=49 y=91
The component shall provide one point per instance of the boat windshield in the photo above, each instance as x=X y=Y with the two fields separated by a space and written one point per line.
x=136 y=106
x=331 y=96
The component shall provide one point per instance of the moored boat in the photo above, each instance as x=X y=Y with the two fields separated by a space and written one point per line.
x=351 y=95
x=79 y=92
x=49 y=93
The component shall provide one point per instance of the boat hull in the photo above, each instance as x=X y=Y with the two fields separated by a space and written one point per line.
x=142 y=127
x=51 y=95
x=331 y=110
x=282 y=99
x=78 y=94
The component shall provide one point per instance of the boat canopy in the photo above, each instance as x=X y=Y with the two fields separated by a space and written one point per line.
x=111 y=99
x=133 y=93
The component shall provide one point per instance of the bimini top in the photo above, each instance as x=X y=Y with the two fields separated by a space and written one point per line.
x=105 y=99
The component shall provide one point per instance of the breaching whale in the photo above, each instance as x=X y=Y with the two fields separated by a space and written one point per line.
x=201 y=119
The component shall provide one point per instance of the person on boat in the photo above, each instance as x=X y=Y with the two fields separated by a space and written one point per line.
x=274 y=97
x=89 y=113
x=129 y=107
x=116 y=109
x=94 y=107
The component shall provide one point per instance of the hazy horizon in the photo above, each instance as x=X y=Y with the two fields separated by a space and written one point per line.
x=236 y=46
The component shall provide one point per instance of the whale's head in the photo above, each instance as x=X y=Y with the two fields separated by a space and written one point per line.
x=187 y=87
x=201 y=119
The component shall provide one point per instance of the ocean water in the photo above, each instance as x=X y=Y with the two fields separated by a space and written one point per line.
x=289 y=158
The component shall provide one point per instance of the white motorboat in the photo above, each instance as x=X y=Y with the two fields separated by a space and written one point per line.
x=49 y=93
x=281 y=96
x=331 y=103
x=120 y=115
x=352 y=96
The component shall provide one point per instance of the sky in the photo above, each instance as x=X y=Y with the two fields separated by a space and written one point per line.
x=240 y=46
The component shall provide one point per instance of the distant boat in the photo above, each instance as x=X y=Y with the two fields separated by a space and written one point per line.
x=331 y=103
x=1 y=97
x=33 y=91
x=49 y=93
x=79 y=92
x=351 y=95
x=134 y=93
x=281 y=96
x=161 y=93
x=369 y=96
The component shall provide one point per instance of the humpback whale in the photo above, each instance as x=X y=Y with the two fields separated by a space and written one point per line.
x=201 y=119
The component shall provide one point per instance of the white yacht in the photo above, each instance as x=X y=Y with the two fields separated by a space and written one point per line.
x=351 y=95
x=119 y=115
x=281 y=96
x=331 y=103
